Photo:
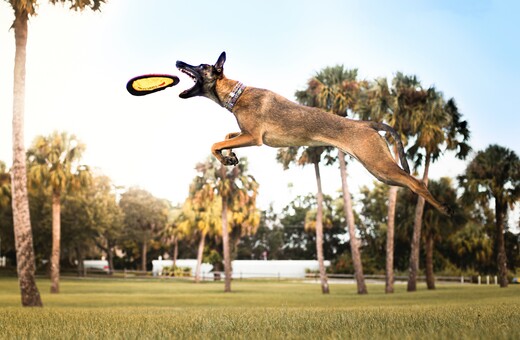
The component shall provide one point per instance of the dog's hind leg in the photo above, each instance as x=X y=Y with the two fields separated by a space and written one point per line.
x=387 y=171
x=372 y=151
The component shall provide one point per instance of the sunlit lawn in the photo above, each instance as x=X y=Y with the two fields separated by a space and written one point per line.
x=135 y=309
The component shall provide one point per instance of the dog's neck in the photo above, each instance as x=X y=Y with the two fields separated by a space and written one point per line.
x=228 y=92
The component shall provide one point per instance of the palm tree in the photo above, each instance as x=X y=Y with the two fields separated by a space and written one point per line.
x=494 y=173
x=53 y=163
x=336 y=90
x=208 y=222
x=106 y=216
x=173 y=233
x=22 y=222
x=238 y=192
x=310 y=155
x=201 y=211
x=439 y=125
x=200 y=218
x=395 y=105
x=245 y=217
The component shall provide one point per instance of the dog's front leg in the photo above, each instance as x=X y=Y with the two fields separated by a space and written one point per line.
x=231 y=135
x=233 y=140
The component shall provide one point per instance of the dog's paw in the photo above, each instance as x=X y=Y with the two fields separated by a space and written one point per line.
x=448 y=210
x=230 y=160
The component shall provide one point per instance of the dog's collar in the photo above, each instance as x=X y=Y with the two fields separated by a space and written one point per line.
x=234 y=95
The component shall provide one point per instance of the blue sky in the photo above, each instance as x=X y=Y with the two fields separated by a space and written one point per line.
x=78 y=65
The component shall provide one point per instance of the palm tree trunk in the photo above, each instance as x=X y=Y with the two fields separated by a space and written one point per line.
x=175 y=250
x=79 y=256
x=225 y=244
x=21 y=219
x=144 y=251
x=200 y=253
x=225 y=236
x=319 y=232
x=500 y=211
x=390 y=234
x=416 y=238
x=349 y=215
x=430 y=277
x=56 y=239
x=110 y=256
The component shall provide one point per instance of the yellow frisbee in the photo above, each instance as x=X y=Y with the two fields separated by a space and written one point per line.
x=150 y=83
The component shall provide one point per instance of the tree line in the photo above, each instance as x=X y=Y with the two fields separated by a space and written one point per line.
x=77 y=214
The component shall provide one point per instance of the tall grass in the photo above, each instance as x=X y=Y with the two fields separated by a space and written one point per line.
x=118 y=309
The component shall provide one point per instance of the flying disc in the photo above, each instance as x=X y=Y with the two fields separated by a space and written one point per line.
x=150 y=83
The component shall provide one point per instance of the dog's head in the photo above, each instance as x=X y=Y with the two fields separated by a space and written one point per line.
x=205 y=77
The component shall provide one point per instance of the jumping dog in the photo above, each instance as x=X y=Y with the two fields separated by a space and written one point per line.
x=265 y=117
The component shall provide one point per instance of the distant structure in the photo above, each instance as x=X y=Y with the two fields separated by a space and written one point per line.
x=101 y=265
x=248 y=268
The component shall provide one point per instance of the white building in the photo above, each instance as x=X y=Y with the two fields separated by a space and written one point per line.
x=248 y=268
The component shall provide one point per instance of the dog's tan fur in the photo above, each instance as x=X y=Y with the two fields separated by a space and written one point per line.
x=265 y=117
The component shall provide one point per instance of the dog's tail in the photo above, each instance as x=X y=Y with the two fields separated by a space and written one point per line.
x=387 y=128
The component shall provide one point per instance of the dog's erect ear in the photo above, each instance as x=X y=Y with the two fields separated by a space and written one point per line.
x=219 y=65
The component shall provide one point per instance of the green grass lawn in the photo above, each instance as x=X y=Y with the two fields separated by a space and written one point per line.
x=137 y=309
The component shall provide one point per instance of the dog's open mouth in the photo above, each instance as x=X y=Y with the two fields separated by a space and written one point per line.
x=186 y=69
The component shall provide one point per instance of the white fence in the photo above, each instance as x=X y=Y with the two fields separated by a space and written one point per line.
x=268 y=269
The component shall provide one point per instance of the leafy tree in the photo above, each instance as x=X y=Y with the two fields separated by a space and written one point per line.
x=40 y=205
x=145 y=216
x=494 y=174
x=299 y=244
x=373 y=226
x=22 y=223
x=298 y=221
x=106 y=217
x=6 y=218
x=471 y=248
x=266 y=243
x=5 y=185
x=77 y=227
x=54 y=164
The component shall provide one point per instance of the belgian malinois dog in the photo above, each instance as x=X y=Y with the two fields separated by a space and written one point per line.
x=265 y=117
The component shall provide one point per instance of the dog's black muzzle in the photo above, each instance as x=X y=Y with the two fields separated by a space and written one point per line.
x=191 y=71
